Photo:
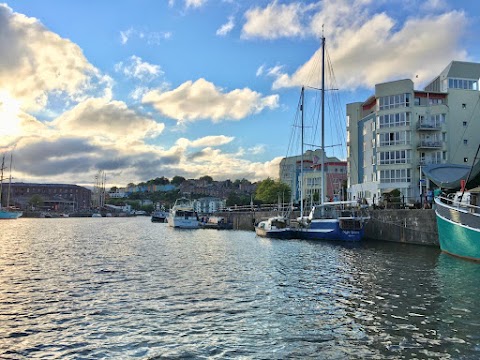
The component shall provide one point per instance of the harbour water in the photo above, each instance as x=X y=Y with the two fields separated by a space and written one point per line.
x=127 y=288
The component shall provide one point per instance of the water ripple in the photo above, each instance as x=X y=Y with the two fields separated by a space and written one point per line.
x=132 y=289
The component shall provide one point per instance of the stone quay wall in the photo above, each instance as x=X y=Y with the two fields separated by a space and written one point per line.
x=415 y=226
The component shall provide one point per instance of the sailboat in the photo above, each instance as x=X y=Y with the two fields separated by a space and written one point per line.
x=7 y=212
x=335 y=220
x=458 y=221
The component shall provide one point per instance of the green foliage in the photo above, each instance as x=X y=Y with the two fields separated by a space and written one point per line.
x=268 y=191
x=177 y=180
x=36 y=201
x=237 y=199
x=395 y=193
x=159 y=181
x=207 y=178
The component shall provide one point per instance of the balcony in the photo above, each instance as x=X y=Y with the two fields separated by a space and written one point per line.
x=429 y=144
x=428 y=126
x=424 y=162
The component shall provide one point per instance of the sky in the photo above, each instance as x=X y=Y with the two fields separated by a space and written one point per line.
x=142 y=89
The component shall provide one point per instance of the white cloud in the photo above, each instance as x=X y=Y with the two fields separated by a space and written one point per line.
x=136 y=68
x=227 y=27
x=201 y=99
x=108 y=121
x=194 y=3
x=125 y=35
x=258 y=149
x=207 y=141
x=90 y=131
x=151 y=37
x=399 y=50
x=274 y=21
x=433 y=5
x=45 y=62
x=260 y=70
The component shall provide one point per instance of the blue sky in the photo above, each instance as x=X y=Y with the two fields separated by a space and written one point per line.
x=150 y=88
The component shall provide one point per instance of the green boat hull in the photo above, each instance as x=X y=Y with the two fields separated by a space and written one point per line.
x=458 y=240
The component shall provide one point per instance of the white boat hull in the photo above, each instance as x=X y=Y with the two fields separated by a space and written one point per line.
x=182 y=223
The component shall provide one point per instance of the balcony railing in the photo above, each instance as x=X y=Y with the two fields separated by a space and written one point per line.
x=429 y=144
x=423 y=162
x=428 y=126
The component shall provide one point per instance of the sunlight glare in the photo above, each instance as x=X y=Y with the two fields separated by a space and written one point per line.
x=9 y=115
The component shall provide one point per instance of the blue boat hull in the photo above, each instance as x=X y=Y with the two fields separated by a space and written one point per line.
x=457 y=239
x=10 y=214
x=327 y=230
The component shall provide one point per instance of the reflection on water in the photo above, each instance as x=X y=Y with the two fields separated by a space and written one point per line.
x=128 y=288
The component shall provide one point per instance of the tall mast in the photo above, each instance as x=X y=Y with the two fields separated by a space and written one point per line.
x=1 y=179
x=9 y=181
x=322 y=196
x=301 y=159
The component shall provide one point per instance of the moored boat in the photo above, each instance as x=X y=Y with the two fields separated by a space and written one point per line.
x=276 y=227
x=159 y=216
x=182 y=215
x=458 y=224
x=6 y=214
x=458 y=220
x=216 y=222
x=337 y=220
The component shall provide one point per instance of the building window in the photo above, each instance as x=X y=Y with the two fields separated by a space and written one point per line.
x=395 y=175
x=463 y=84
x=395 y=157
x=394 y=138
x=394 y=120
x=465 y=142
x=435 y=101
x=393 y=101
x=464 y=124
x=464 y=106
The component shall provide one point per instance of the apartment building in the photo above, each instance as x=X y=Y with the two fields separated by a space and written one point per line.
x=399 y=130
x=291 y=174
x=209 y=205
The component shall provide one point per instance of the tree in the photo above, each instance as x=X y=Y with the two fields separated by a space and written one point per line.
x=161 y=181
x=177 y=180
x=207 y=179
x=236 y=199
x=268 y=191
x=36 y=201
x=113 y=189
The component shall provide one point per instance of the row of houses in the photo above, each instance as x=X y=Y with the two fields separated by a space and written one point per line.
x=218 y=189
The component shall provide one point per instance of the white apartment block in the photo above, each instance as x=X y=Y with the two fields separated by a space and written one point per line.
x=399 y=129
x=209 y=205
